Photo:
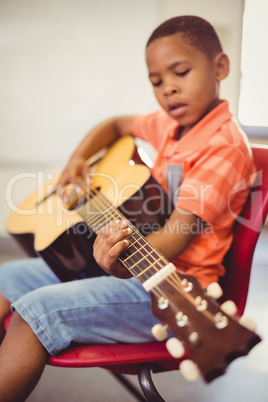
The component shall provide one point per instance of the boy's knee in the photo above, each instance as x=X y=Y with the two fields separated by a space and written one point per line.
x=4 y=307
x=19 y=326
x=17 y=321
x=7 y=268
x=4 y=266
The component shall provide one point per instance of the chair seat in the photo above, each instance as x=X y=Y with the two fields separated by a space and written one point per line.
x=121 y=358
x=113 y=356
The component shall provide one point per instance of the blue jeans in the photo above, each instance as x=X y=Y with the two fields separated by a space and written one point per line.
x=103 y=309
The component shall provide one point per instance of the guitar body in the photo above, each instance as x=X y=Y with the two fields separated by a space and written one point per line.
x=43 y=226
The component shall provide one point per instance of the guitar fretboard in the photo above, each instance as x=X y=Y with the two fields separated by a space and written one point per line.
x=140 y=258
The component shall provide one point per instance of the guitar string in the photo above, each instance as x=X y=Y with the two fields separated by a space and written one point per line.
x=102 y=205
x=174 y=279
x=115 y=214
x=101 y=202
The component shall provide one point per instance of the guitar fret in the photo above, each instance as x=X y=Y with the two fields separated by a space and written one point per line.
x=137 y=258
x=98 y=228
x=133 y=243
x=99 y=216
x=143 y=261
x=140 y=258
x=98 y=224
x=135 y=253
x=146 y=269
x=138 y=246
x=142 y=274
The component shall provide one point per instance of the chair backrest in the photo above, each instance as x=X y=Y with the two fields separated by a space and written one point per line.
x=248 y=226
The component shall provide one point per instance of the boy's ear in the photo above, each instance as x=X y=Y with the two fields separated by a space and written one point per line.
x=222 y=66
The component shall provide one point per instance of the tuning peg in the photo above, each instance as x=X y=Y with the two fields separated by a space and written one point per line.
x=229 y=308
x=248 y=323
x=214 y=290
x=189 y=370
x=175 y=347
x=160 y=332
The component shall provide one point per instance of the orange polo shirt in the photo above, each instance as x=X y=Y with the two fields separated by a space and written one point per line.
x=207 y=172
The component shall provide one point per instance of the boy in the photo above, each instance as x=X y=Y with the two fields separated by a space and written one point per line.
x=195 y=138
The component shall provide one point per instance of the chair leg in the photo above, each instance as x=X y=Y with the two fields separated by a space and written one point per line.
x=147 y=385
x=130 y=387
x=145 y=379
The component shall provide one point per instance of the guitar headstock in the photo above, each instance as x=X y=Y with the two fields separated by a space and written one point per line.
x=211 y=337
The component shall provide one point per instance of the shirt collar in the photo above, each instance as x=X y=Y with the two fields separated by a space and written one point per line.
x=206 y=127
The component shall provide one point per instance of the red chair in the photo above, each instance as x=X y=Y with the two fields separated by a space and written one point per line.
x=143 y=359
x=238 y=260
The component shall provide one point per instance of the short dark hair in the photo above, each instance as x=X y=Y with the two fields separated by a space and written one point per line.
x=195 y=30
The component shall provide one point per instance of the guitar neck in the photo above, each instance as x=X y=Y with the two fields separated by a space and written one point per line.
x=140 y=257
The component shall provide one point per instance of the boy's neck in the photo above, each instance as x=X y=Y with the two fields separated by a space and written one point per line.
x=182 y=130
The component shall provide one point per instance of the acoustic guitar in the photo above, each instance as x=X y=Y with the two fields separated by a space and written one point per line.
x=211 y=334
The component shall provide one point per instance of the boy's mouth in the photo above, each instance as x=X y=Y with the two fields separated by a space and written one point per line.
x=176 y=109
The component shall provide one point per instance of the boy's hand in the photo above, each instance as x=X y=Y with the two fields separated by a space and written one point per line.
x=76 y=170
x=108 y=246
x=75 y=173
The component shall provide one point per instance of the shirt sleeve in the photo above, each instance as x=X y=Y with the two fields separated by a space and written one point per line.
x=218 y=182
x=150 y=127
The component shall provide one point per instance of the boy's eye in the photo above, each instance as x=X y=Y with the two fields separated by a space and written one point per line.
x=183 y=73
x=156 y=84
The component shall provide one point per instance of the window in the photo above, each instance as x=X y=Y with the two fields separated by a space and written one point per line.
x=253 y=103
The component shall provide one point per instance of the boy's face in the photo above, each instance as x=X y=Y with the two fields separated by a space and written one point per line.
x=183 y=78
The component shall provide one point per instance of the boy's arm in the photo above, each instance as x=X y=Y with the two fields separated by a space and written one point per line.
x=174 y=237
x=171 y=240
x=100 y=136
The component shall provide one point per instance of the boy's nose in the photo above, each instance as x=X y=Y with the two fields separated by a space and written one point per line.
x=170 y=90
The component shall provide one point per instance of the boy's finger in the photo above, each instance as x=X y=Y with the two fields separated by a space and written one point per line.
x=118 y=248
